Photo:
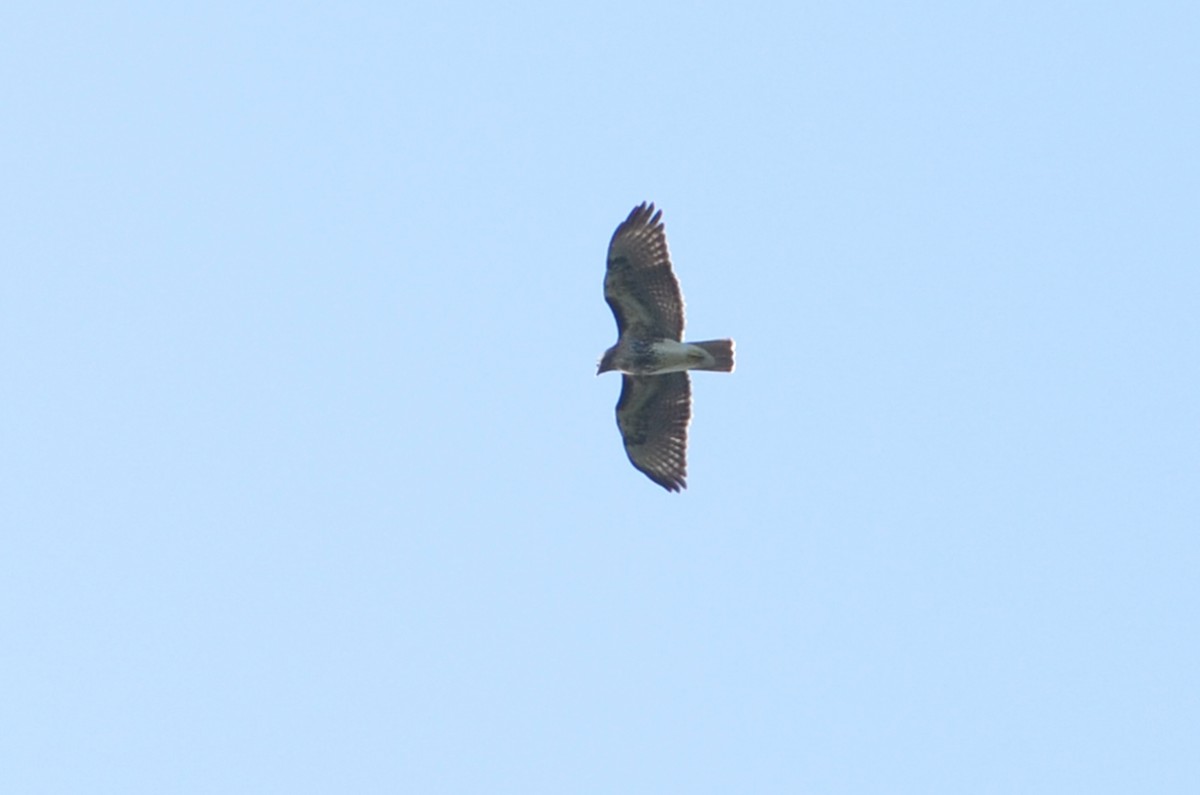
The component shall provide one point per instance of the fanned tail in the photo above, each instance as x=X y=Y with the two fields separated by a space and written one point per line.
x=722 y=353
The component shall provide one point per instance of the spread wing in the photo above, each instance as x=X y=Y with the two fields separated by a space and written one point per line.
x=653 y=415
x=639 y=285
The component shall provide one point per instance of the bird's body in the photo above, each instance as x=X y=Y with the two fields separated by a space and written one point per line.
x=654 y=409
x=658 y=356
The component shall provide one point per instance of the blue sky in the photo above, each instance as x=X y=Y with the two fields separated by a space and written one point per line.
x=308 y=483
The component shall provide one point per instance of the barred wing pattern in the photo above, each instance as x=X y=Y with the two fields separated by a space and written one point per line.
x=653 y=414
x=639 y=285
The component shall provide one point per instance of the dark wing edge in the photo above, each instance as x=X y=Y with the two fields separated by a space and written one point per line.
x=653 y=413
x=639 y=284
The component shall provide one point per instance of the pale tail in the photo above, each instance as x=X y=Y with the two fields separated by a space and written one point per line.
x=722 y=351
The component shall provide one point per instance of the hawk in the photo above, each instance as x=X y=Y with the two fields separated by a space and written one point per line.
x=656 y=393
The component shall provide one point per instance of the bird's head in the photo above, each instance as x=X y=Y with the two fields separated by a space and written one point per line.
x=606 y=362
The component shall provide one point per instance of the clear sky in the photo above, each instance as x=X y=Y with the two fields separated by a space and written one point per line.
x=307 y=482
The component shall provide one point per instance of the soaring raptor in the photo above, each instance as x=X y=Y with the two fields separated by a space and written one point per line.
x=656 y=394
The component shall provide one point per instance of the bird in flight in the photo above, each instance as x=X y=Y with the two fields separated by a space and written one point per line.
x=656 y=393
